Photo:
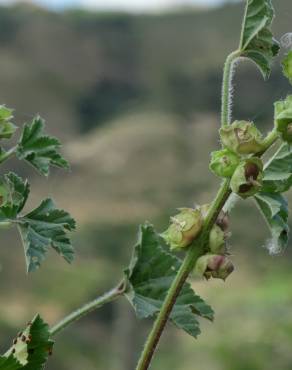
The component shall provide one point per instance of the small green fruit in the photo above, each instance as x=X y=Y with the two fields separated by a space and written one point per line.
x=247 y=179
x=216 y=266
x=283 y=118
x=184 y=228
x=242 y=137
x=219 y=232
x=217 y=240
x=224 y=162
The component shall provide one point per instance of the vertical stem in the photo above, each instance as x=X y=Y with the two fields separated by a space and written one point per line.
x=195 y=251
x=227 y=88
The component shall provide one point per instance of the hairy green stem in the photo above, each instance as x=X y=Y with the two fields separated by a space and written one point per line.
x=227 y=88
x=6 y=155
x=89 y=307
x=194 y=252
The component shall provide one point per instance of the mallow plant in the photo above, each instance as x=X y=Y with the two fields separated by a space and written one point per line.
x=249 y=164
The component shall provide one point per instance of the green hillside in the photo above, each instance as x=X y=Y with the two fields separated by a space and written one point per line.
x=80 y=69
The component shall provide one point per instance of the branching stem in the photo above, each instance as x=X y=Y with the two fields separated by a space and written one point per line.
x=89 y=307
x=6 y=155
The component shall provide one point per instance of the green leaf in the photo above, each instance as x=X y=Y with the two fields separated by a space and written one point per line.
x=274 y=209
x=287 y=66
x=9 y=363
x=257 y=41
x=278 y=172
x=14 y=192
x=30 y=349
x=46 y=227
x=7 y=128
x=39 y=150
x=150 y=275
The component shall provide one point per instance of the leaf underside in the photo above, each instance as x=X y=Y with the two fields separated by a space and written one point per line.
x=278 y=173
x=274 y=208
x=150 y=275
x=257 y=42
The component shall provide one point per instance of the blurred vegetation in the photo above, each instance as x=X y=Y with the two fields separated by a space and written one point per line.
x=136 y=100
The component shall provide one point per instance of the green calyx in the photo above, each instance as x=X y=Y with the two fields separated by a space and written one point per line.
x=287 y=66
x=214 y=266
x=217 y=240
x=224 y=162
x=7 y=128
x=184 y=228
x=219 y=232
x=283 y=118
x=242 y=138
x=247 y=179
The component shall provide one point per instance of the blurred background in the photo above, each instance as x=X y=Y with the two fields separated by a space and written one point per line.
x=132 y=87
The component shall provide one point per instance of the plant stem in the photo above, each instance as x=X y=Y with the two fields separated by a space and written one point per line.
x=89 y=307
x=6 y=155
x=195 y=251
x=227 y=88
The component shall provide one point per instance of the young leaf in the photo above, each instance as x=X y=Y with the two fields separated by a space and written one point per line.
x=274 y=209
x=278 y=172
x=30 y=349
x=46 y=227
x=7 y=128
x=40 y=229
x=39 y=150
x=150 y=275
x=257 y=41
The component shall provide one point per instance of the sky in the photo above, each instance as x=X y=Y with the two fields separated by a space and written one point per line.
x=130 y=5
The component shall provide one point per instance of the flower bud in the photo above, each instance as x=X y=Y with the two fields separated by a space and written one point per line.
x=247 y=179
x=242 y=137
x=184 y=228
x=7 y=128
x=223 y=163
x=216 y=266
x=283 y=118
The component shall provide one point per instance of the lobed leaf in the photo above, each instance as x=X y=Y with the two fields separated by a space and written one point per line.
x=30 y=349
x=278 y=172
x=44 y=227
x=257 y=42
x=150 y=275
x=274 y=208
x=39 y=150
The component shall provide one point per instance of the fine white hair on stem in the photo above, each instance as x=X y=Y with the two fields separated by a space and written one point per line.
x=231 y=88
